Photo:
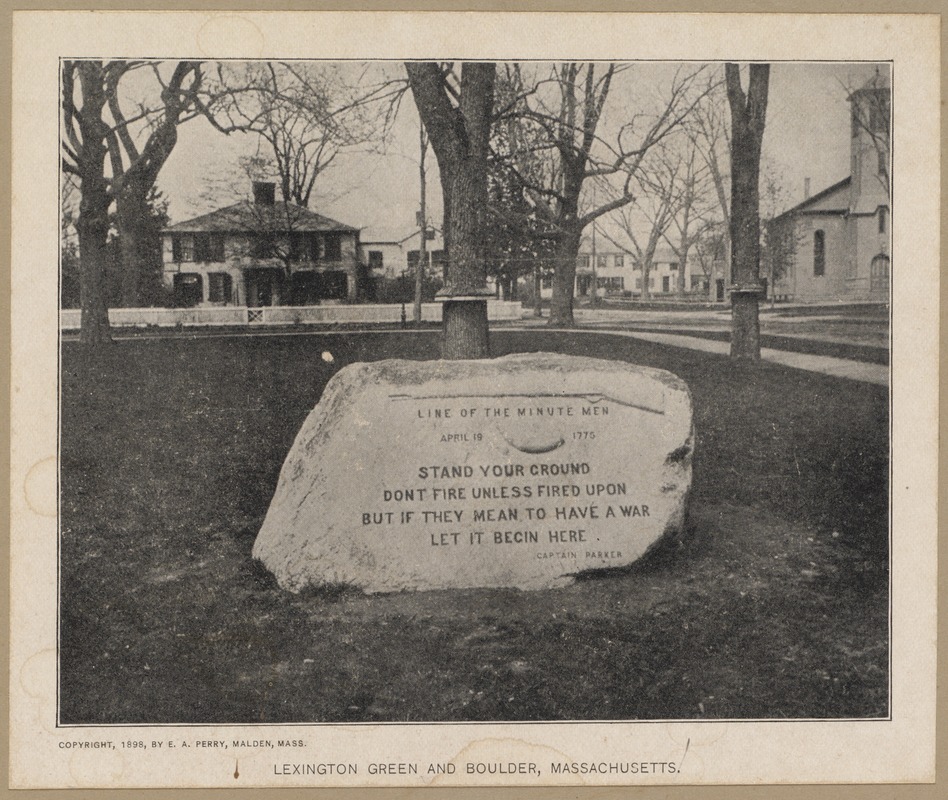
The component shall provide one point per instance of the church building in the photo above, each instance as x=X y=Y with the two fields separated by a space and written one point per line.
x=839 y=238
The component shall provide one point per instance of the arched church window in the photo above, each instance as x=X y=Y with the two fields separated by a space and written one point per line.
x=819 y=253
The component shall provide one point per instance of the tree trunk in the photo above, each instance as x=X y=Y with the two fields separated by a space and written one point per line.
x=465 y=322
x=93 y=230
x=747 y=130
x=93 y=222
x=465 y=330
x=131 y=212
x=459 y=137
x=745 y=326
x=564 y=277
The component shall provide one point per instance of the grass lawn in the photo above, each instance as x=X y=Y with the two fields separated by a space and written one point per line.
x=774 y=605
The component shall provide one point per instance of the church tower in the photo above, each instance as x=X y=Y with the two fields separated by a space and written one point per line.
x=869 y=220
x=870 y=144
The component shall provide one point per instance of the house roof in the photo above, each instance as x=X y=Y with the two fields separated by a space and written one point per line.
x=833 y=199
x=248 y=216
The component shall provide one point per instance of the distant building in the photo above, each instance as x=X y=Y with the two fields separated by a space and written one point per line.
x=619 y=274
x=261 y=253
x=840 y=236
x=394 y=253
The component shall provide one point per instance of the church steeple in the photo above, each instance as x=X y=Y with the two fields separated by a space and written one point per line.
x=870 y=143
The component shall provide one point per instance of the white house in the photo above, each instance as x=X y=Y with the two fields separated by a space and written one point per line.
x=394 y=253
x=261 y=253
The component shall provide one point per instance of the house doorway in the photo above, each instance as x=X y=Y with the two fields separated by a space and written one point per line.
x=262 y=287
x=719 y=290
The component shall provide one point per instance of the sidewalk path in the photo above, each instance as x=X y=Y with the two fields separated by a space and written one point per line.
x=837 y=367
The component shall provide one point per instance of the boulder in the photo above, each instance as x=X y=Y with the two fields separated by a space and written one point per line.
x=520 y=471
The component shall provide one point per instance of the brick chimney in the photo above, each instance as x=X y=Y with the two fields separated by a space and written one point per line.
x=264 y=193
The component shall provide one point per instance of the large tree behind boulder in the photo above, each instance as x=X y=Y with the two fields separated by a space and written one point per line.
x=748 y=115
x=457 y=114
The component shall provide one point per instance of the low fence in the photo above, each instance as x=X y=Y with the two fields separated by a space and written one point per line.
x=71 y=319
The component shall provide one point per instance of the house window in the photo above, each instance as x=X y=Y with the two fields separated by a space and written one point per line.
x=208 y=247
x=819 y=254
x=883 y=212
x=638 y=283
x=333 y=244
x=202 y=246
x=611 y=284
x=313 y=248
x=298 y=247
x=264 y=245
x=376 y=260
x=188 y=289
x=673 y=265
x=583 y=262
x=220 y=287
x=620 y=262
x=546 y=282
x=182 y=248
x=601 y=262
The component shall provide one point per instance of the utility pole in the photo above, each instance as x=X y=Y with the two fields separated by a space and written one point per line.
x=423 y=226
x=595 y=276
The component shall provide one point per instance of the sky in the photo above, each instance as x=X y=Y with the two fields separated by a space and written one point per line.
x=806 y=136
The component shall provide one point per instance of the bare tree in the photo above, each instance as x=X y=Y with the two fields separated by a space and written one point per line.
x=782 y=237
x=651 y=212
x=134 y=167
x=694 y=208
x=748 y=116
x=84 y=154
x=307 y=115
x=710 y=250
x=710 y=129
x=457 y=114
x=116 y=156
x=567 y=108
